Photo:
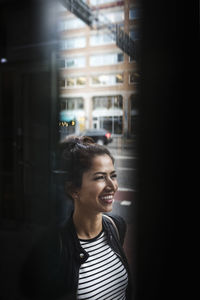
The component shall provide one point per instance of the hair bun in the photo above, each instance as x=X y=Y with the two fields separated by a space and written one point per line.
x=71 y=142
x=87 y=140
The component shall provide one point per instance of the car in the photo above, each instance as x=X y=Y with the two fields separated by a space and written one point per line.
x=100 y=136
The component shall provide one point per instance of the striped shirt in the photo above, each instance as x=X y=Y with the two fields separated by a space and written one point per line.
x=102 y=276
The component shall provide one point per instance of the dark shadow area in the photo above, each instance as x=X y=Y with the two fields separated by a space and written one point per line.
x=28 y=132
x=161 y=240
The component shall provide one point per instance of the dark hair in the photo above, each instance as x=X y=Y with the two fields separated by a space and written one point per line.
x=76 y=155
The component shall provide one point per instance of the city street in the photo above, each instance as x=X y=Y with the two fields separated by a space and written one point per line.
x=126 y=167
x=126 y=160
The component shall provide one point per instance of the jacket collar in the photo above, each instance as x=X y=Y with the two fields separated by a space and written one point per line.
x=68 y=228
x=70 y=240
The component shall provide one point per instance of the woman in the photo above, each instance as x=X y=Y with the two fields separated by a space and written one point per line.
x=83 y=258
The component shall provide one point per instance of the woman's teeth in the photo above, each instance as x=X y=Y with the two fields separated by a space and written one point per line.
x=107 y=198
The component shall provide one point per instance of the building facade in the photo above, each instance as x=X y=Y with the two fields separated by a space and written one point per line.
x=98 y=81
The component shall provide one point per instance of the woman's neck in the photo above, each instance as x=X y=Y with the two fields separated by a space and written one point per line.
x=87 y=225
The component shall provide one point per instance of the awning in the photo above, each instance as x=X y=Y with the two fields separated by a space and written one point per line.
x=66 y=117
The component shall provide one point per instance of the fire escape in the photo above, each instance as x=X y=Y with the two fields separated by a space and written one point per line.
x=95 y=20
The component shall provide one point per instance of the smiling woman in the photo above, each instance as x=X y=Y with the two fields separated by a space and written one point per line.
x=99 y=185
x=84 y=257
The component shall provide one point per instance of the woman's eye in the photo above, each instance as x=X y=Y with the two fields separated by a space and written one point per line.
x=114 y=176
x=99 y=178
x=104 y=177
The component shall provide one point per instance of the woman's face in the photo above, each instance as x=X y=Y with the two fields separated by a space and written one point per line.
x=99 y=185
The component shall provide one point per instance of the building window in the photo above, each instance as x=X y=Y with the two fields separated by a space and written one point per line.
x=74 y=23
x=71 y=103
x=61 y=63
x=75 y=81
x=106 y=59
x=101 y=39
x=81 y=80
x=134 y=13
x=108 y=102
x=98 y=2
x=113 y=17
x=75 y=62
x=73 y=43
x=119 y=78
x=70 y=82
x=134 y=78
x=134 y=34
x=62 y=82
x=120 y=57
x=72 y=62
x=107 y=79
x=108 y=113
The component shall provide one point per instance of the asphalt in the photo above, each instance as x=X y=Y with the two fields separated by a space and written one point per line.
x=121 y=142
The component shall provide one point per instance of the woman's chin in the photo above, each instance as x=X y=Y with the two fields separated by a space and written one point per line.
x=107 y=208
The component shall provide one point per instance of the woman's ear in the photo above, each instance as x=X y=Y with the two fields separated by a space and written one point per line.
x=71 y=190
x=75 y=195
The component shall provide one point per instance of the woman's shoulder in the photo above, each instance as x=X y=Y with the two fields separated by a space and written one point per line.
x=120 y=223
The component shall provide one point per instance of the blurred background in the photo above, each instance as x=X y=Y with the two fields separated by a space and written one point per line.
x=67 y=67
x=109 y=69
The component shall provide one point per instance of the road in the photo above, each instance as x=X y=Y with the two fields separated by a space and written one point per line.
x=126 y=197
x=126 y=167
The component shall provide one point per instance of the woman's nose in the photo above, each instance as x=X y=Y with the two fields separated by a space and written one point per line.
x=112 y=185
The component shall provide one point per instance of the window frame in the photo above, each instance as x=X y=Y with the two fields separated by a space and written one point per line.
x=106 y=85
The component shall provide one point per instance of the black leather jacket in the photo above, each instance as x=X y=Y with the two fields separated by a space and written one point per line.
x=52 y=269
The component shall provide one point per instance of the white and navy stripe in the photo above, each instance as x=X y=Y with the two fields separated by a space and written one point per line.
x=102 y=276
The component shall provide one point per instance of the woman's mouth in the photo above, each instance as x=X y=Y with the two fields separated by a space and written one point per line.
x=107 y=198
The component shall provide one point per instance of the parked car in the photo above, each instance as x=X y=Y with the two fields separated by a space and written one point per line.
x=100 y=136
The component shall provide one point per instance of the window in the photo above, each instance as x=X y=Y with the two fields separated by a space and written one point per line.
x=134 y=77
x=72 y=103
x=120 y=57
x=98 y=2
x=81 y=81
x=75 y=62
x=72 y=62
x=74 y=23
x=119 y=78
x=101 y=39
x=106 y=59
x=76 y=81
x=73 y=82
x=107 y=79
x=61 y=63
x=134 y=34
x=113 y=17
x=62 y=83
x=107 y=102
x=108 y=113
x=73 y=43
x=70 y=82
x=134 y=13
